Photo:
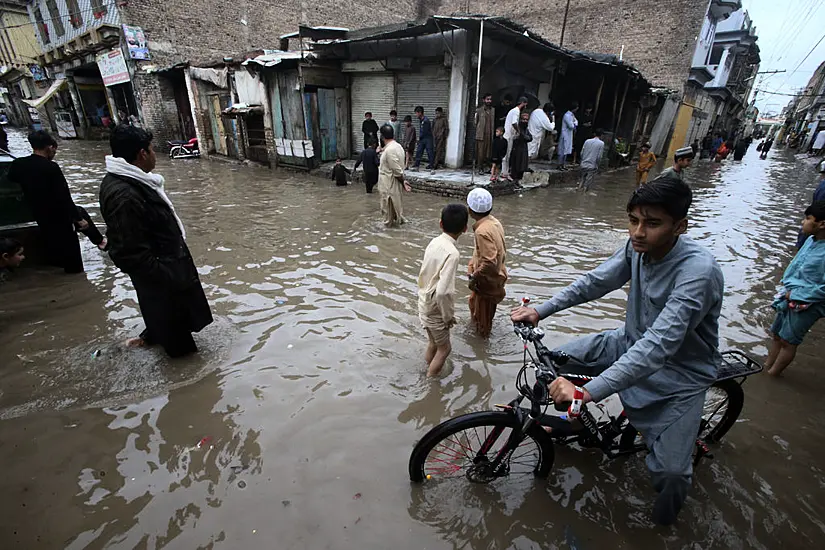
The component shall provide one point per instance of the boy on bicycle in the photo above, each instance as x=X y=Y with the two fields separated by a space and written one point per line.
x=665 y=357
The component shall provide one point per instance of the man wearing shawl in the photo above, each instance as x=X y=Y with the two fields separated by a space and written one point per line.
x=147 y=242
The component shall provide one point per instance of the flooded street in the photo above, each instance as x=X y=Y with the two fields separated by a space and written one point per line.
x=309 y=392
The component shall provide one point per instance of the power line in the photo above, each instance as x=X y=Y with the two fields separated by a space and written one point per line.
x=791 y=95
x=818 y=42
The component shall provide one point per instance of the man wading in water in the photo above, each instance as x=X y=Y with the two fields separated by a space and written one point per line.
x=147 y=242
x=391 y=178
x=665 y=357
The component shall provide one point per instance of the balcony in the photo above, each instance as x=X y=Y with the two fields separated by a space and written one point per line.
x=722 y=9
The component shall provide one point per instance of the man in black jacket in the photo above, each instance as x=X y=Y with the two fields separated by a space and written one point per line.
x=147 y=242
x=48 y=196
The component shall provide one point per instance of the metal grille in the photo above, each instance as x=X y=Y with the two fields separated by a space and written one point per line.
x=373 y=93
x=429 y=87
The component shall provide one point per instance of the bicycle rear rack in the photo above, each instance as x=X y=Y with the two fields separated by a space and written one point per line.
x=736 y=364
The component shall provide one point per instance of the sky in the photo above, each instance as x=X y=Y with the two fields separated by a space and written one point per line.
x=787 y=30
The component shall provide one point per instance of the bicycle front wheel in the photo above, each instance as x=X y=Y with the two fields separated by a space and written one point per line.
x=464 y=446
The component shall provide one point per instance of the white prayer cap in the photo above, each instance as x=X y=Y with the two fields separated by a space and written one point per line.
x=480 y=200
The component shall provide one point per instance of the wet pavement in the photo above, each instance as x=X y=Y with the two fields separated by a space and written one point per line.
x=293 y=426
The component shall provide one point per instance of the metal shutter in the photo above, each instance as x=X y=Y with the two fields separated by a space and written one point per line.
x=428 y=87
x=374 y=93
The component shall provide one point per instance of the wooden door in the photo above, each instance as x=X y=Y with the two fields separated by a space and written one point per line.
x=326 y=122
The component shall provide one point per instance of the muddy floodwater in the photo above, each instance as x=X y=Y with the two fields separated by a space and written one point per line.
x=292 y=428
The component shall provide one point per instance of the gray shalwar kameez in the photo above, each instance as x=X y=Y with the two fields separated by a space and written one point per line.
x=665 y=357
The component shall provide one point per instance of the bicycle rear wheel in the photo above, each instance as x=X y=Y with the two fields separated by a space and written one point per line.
x=723 y=404
x=463 y=446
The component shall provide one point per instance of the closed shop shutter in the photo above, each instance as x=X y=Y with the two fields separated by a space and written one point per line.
x=374 y=93
x=428 y=87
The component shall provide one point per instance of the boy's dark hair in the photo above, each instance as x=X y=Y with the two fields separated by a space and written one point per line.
x=574 y=105
x=418 y=109
x=373 y=143
x=454 y=218
x=41 y=139
x=408 y=118
x=439 y=110
x=393 y=113
x=128 y=141
x=547 y=107
x=338 y=159
x=368 y=114
x=387 y=132
x=523 y=99
x=667 y=192
x=599 y=132
x=817 y=210
x=500 y=128
x=13 y=246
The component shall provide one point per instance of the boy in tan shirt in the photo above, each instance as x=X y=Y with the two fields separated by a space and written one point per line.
x=486 y=270
x=436 y=286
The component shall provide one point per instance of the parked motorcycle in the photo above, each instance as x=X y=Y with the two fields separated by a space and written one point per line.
x=179 y=149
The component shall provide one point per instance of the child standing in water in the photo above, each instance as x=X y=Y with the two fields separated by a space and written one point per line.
x=436 y=286
x=11 y=256
x=801 y=301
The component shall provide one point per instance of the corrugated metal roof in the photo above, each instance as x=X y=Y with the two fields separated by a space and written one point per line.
x=274 y=58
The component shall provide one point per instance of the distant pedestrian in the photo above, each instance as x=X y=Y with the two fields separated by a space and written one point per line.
x=717 y=143
x=584 y=131
x=436 y=286
x=695 y=147
x=541 y=127
x=511 y=130
x=340 y=172
x=369 y=128
x=391 y=183
x=740 y=149
x=766 y=147
x=486 y=270
x=396 y=124
x=499 y=152
x=369 y=158
x=441 y=129
x=647 y=160
x=800 y=302
x=568 y=126
x=47 y=194
x=519 y=156
x=147 y=241
x=485 y=125
x=503 y=110
x=681 y=160
x=707 y=145
x=591 y=157
x=409 y=141
x=425 y=140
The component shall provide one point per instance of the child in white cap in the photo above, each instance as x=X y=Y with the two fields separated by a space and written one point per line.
x=486 y=270
x=436 y=286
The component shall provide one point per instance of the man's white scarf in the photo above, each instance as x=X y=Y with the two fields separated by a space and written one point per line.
x=119 y=167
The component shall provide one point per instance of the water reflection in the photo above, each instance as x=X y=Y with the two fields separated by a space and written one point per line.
x=311 y=384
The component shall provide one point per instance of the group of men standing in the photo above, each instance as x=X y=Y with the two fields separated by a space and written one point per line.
x=423 y=136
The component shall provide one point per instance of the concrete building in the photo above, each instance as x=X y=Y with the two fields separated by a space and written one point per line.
x=18 y=54
x=147 y=45
x=806 y=112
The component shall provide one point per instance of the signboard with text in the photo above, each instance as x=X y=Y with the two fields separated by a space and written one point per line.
x=136 y=40
x=113 y=67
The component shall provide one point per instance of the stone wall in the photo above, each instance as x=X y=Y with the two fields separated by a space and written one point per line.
x=658 y=37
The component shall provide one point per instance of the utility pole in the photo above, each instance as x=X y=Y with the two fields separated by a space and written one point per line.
x=756 y=91
x=564 y=23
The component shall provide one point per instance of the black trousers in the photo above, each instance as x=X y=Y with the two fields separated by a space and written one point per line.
x=371 y=180
x=62 y=246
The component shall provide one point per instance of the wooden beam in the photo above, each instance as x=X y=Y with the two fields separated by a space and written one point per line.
x=598 y=99
x=621 y=105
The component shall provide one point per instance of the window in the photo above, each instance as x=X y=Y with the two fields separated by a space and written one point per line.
x=75 y=17
x=99 y=8
x=41 y=26
x=54 y=15
x=716 y=55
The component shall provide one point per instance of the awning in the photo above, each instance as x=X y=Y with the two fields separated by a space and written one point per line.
x=276 y=57
x=37 y=103
x=242 y=109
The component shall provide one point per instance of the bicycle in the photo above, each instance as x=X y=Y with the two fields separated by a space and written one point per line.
x=475 y=445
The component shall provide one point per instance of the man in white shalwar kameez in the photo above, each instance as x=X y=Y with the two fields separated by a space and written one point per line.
x=540 y=122
x=568 y=126
x=391 y=178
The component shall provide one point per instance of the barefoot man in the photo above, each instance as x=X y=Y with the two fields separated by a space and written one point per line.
x=147 y=242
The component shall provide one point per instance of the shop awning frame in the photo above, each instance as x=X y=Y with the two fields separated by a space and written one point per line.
x=53 y=89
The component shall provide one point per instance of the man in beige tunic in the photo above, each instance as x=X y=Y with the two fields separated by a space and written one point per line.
x=391 y=178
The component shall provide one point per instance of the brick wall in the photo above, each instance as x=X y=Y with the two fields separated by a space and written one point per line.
x=658 y=37
x=208 y=30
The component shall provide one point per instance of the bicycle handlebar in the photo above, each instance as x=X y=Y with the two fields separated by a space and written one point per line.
x=549 y=360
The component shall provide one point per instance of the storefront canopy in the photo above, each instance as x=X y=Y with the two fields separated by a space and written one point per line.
x=53 y=89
